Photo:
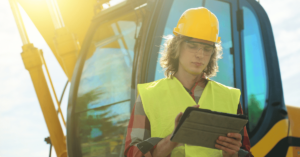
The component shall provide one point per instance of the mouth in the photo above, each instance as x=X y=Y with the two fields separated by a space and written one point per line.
x=197 y=63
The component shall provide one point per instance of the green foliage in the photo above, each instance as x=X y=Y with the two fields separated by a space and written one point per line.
x=254 y=111
x=87 y=98
x=100 y=118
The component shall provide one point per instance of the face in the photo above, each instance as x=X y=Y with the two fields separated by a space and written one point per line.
x=195 y=56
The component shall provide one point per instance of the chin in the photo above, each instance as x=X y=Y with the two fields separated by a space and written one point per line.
x=195 y=72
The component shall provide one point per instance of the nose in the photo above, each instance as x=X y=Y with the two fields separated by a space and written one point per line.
x=201 y=54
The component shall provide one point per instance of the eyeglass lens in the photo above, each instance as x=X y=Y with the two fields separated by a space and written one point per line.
x=196 y=47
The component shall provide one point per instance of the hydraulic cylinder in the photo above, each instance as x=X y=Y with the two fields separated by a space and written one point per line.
x=33 y=63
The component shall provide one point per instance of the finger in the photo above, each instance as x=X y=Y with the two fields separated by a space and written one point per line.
x=228 y=145
x=230 y=140
x=227 y=150
x=235 y=135
x=179 y=116
x=196 y=106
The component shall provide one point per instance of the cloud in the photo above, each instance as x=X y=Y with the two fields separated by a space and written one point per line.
x=291 y=90
x=280 y=12
x=284 y=17
x=23 y=129
x=289 y=66
x=287 y=42
x=22 y=125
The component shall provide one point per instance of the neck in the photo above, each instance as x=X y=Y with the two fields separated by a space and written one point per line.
x=187 y=79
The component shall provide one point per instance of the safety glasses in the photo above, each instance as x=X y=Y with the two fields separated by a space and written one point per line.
x=195 y=47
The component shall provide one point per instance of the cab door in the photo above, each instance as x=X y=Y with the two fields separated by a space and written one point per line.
x=263 y=94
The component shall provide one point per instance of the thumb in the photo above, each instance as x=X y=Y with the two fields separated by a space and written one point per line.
x=177 y=119
x=196 y=106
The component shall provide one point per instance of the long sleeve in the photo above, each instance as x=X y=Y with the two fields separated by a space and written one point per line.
x=246 y=141
x=138 y=131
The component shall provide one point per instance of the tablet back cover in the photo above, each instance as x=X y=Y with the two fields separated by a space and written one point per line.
x=202 y=128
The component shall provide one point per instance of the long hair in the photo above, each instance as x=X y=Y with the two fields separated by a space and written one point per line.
x=170 y=56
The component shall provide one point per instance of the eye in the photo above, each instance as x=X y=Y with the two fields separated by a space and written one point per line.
x=207 y=49
x=191 y=45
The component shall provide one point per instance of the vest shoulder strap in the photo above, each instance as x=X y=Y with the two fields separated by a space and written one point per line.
x=231 y=91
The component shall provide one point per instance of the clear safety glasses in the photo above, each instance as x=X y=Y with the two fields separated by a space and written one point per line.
x=194 y=47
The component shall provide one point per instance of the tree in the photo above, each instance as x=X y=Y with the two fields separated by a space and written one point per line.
x=98 y=118
x=254 y=111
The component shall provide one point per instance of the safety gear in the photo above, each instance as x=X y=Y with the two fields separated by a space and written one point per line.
x=195 y=47
x=165 y=98
x=198 y=23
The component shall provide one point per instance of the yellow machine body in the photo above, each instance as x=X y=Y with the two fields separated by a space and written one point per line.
x=294 y=129
x=77 y=16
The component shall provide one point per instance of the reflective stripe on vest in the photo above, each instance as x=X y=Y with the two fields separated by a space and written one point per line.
x=165 y=98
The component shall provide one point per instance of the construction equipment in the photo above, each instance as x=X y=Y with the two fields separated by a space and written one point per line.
x=107 y=47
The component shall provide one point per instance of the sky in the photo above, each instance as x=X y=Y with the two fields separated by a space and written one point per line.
x=22 y=125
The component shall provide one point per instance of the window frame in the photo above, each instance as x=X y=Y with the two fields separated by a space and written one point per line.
x=149 y=43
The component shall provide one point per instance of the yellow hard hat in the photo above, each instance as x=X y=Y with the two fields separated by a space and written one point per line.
x=198 y=23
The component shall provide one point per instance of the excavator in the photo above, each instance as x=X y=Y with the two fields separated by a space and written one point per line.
x=107 y=47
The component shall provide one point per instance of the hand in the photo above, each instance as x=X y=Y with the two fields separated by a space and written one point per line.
x=177 y=119
x=229 y=145
x=165 y=146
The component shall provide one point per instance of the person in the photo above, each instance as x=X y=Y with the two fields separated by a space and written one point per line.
x=190 y=59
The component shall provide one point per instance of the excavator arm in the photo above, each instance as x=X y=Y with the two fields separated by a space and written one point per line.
x=63 y=25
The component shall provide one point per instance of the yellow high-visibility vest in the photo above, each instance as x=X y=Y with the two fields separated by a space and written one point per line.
x=164 y=99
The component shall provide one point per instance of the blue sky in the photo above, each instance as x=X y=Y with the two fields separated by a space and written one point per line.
x=23 y=128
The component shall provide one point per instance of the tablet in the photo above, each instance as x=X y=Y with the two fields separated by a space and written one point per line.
x=202 y=127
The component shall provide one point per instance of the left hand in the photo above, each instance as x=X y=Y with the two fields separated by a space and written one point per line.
x=229 y=145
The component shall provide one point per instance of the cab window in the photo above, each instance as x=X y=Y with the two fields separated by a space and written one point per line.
x=255 y=68
x=103 y=99
x=222 y=11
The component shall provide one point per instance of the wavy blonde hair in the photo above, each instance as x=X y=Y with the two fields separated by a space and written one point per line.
x=170 y=56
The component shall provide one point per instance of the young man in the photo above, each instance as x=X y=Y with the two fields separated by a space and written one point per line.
x=189 y=58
